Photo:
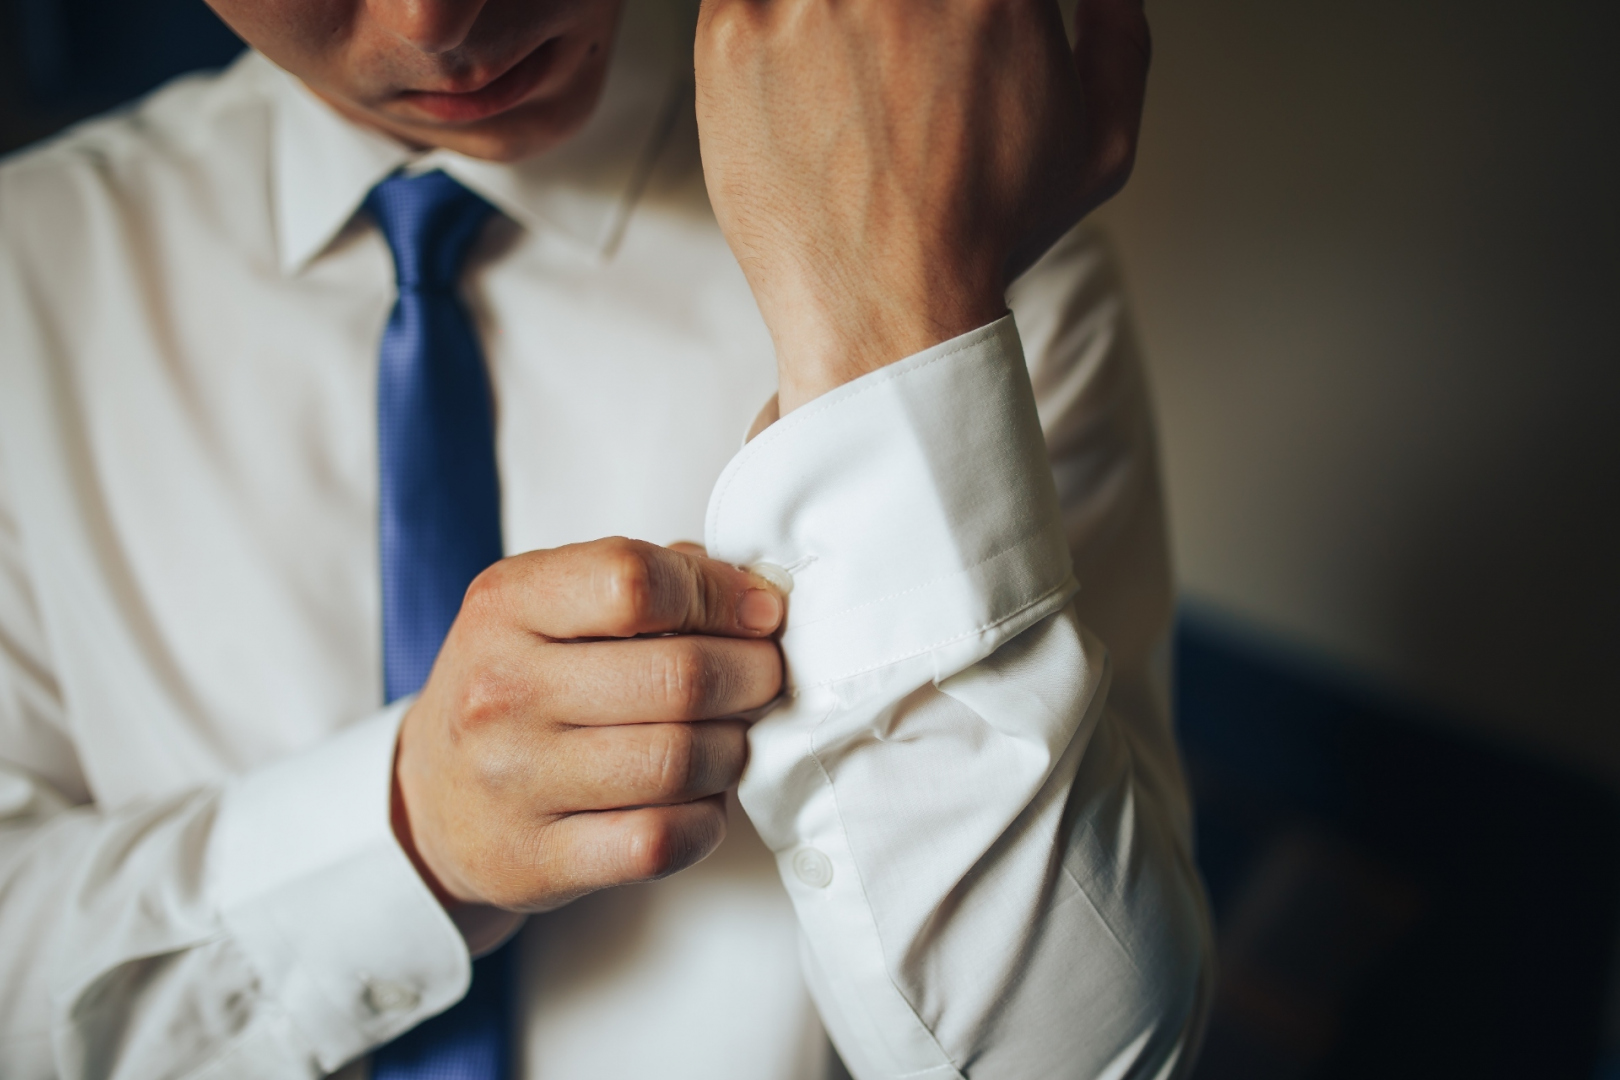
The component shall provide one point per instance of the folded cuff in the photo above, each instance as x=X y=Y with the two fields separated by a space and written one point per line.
x=914 y=508
x=312 y=884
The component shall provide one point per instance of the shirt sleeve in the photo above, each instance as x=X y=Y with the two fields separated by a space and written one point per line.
x=985 y=880
x=270 y=928
x=266 y=927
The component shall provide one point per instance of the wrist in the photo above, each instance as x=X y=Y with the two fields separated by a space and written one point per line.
x=399 y=819
x=822 y=344
x=483 y=927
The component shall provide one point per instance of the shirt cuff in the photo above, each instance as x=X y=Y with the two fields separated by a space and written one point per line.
x=312 y=884
x=913 y=508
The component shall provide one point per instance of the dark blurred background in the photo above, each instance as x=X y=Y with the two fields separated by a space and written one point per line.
x=1373 y=249
x=1375 y=257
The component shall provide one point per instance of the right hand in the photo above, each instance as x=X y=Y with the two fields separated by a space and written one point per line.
x=558 y=749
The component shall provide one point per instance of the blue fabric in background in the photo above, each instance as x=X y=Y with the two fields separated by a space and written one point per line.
x=80 y=54
x=1393 y=897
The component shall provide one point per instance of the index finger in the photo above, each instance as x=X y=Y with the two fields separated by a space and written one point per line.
x=617 y=588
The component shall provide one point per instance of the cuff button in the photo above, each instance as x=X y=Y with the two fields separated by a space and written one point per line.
x=388 y=996
x=774 y=574
x=812 y=867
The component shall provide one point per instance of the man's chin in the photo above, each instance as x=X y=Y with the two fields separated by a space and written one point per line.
x=521 y=131
x=546 y=63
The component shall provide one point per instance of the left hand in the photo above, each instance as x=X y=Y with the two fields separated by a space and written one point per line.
x=882 y=168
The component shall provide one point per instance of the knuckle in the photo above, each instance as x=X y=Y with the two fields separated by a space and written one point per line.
x=728 y=28
x=1116 y=157
x=486 y=593
x=690 y=682
x=488 y=695
x=708 y=597
x=731 y=755
x=627 y=586
x=758 y=676
x=671 y=761
x=654 y=847
x=669 y=840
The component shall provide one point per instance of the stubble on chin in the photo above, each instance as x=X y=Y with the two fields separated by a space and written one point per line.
x=523 y=131
x=530 y=127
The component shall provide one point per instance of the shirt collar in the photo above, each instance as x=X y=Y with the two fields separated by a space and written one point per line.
x=324 y=165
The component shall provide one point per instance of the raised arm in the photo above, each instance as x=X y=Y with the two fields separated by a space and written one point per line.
x=983 y=832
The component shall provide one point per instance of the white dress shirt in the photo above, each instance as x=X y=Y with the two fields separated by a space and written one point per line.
x=965 y=849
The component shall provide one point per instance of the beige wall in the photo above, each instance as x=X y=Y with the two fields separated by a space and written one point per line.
x=1374 y=253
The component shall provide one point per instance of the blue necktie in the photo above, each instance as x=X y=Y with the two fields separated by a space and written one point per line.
x=439 y=524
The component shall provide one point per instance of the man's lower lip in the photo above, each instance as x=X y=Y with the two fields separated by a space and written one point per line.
x=497 y=97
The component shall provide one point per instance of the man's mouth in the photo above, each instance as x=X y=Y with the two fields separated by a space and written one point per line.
x=496 y=96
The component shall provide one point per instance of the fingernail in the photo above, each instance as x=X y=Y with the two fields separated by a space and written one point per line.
x=759 y=610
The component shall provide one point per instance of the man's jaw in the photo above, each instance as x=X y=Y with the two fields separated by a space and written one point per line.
x=494 y=96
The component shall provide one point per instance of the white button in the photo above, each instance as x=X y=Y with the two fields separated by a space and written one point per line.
x=775 y=575
x=812 y=867
x=386 y=995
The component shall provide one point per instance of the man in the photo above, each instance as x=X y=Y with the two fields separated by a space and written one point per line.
x=293 y=355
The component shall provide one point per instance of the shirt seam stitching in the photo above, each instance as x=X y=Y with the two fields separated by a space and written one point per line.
x=1010 y=546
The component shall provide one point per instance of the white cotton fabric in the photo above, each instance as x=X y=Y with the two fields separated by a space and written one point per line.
x=962 y=845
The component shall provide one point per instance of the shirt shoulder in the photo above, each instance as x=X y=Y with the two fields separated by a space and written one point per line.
x=193 y=152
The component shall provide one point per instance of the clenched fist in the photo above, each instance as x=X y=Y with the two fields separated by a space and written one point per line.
x=581 y=724
x=882 y=168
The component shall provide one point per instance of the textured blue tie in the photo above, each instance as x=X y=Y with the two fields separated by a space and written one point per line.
x=439 y=524
x=439 y=501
